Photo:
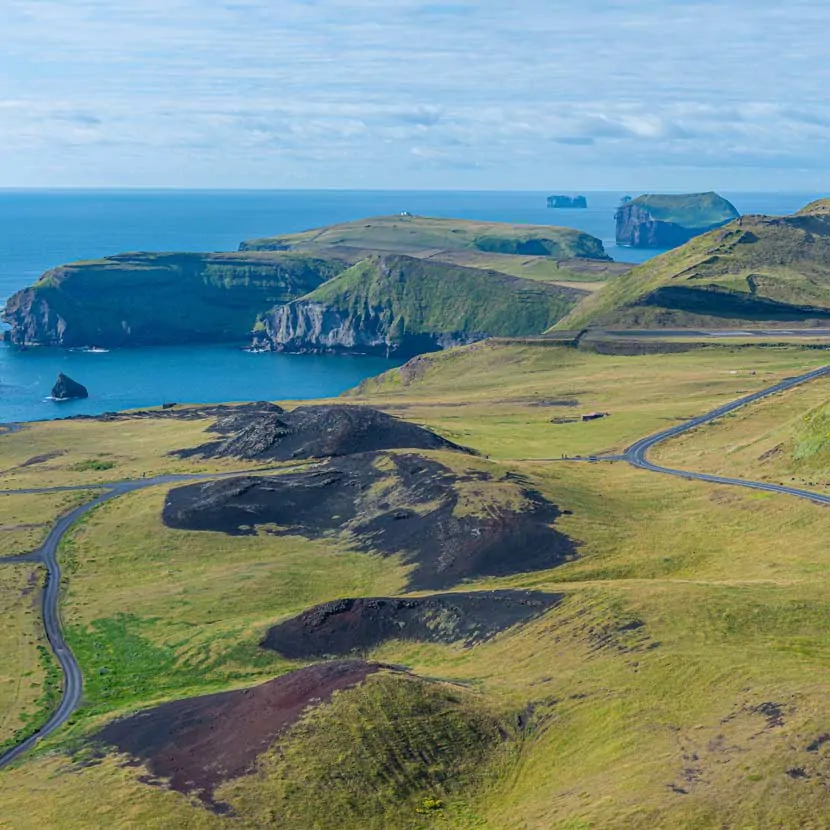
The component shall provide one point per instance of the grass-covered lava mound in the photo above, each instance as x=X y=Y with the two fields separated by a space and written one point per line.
x=315 y=432
x=448 y=524
x=197 y=743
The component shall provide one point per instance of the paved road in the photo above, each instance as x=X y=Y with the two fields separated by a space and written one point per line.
x=47 y=554
x=73 y=686
x=636 y=454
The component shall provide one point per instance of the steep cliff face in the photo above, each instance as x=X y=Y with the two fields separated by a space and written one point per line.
x=668 y=221
x=406 y=306
x=156 y=299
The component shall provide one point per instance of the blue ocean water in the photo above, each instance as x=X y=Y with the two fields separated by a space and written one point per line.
x=42 y=229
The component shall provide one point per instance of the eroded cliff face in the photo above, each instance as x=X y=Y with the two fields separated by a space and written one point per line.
x=306 y=327
x=637 y=228
x=159 y=299
x=33 y=321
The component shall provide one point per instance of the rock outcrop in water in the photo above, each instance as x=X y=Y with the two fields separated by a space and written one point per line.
x=406 y=306
x=668 y=221
x=567 y=202
x=66 y=389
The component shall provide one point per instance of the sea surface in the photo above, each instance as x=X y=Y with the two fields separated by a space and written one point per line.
x=42 y=229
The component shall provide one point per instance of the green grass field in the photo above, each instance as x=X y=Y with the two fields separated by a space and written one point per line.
x=784 y=439
x=27 y=681
x=682 y=682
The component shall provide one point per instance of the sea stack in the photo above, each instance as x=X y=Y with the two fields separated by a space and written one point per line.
x=66 y=389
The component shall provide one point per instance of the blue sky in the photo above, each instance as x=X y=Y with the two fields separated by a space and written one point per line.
x=528 y=94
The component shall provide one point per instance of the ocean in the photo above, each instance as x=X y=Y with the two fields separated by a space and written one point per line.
x=42 y=229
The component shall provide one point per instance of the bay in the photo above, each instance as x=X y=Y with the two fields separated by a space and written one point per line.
x=42 y=229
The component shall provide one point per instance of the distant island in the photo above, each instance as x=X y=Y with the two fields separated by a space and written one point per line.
x=667 y=221
x=567 y=202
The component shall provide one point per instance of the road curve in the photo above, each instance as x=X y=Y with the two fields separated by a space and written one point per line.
x=47 y=554
x=73 y=684
x=636 y=453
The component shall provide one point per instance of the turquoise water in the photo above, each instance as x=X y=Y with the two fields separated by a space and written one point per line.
x=39 y=230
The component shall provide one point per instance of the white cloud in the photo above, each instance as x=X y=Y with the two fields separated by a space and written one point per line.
x=412 y=93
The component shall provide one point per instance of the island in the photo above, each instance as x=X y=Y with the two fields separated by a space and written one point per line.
x=667 y=221
x=567 y=202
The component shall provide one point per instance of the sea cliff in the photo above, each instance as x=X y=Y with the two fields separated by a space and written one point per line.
x=405 y=306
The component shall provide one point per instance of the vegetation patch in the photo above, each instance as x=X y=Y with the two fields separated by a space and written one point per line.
x=394 y=752
x=351 y=626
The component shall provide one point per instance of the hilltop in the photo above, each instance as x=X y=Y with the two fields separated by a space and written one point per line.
x=403 y=305
x=405 y=234
x=756 y=271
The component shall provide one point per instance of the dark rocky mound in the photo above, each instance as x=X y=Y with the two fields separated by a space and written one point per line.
x=228 y=416
x=348 y=626
x=387 y=504
x=66 y=389
x=198 y=743
x=316 y=432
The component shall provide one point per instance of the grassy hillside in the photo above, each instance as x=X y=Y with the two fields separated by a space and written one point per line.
x=405 y=234
x=145 y=299
x=681 y=682
x=402 y=304
x=785 y=439
x=757 y=271
x=421 y=297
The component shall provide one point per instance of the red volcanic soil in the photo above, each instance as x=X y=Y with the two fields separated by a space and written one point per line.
x=198 y=743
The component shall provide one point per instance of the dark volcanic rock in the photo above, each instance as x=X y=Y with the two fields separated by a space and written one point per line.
x=317 y=432
x=198 y=743
x=348 y=626
x=66 y=389
x=388 y=504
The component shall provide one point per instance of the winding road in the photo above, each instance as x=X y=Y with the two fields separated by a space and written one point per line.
x=47 y=553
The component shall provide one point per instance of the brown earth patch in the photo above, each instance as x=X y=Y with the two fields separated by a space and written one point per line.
x=198 y=743
x=387 y=504
x=315 y=432
x=348 y=626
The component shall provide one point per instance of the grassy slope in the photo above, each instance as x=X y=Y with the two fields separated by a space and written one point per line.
x=785 y=439
x=404 y=234
x=691 y=210
x=164 y=298
x=22 y=664
x=690 y=608
x=93 y=452
x=783 y=261
x=419 y=297
x=25 y=520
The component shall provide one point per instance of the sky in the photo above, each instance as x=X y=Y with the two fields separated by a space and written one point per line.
x=471 y=94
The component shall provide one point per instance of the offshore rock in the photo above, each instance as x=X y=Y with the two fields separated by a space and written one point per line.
x=567 y=202
x=66 y=389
